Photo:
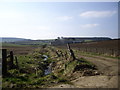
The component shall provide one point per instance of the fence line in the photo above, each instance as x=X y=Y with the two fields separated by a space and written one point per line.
x=8 y=64
x=104 y=51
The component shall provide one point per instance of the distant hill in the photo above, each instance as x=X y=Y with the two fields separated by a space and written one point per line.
x=12 y=39
x=22 y=41
x=65 y=40
x=33 y=42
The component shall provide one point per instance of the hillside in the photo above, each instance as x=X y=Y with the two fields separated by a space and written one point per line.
x=22 y=41
x=99 y=44
x=12 y=39
x=33 y=42
x=107 y=47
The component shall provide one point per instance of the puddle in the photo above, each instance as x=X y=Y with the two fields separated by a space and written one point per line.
x=45 y=57
x=49 y=69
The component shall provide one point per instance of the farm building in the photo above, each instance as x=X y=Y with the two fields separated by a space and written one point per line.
x=65 y=40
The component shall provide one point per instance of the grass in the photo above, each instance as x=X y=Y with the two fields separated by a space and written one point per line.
x=69 y=67
x=10 y=44
x=31 y=81
x=90 y=54
x=78 y=65
x=30 y=73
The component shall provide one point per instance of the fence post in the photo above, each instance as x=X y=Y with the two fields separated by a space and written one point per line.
x=86 y=49
x=4 y=62
x=112 y=52
x=11 y=60
x=16 y=62
x=96 y=50
x=71 y=52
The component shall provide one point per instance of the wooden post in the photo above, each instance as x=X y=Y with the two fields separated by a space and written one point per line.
x=4 y=62
x=96 y=50
x=36 y=72
x=112 y=52
x=57 y=53
x=16 y=62
x=71 y=52
x=11 y=60
x=65 y=56
x=86 y=49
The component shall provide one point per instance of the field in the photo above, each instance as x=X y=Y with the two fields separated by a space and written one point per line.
x=106 y=48
x=20 y=49
x=44 y=66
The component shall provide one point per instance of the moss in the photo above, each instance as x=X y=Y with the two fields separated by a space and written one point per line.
x=69 y=67
x=13 y=71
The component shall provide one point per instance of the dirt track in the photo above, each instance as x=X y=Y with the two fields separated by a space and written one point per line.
x=108 y=79
x=107 y=66
x=109 y=69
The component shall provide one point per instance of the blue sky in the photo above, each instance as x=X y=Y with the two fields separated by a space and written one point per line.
x=49 y=20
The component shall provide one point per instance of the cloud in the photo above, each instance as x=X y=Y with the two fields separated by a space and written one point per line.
x=64 y=18
x=42 y=28
x=7 y=15
x=87 y=26
x=97 y=14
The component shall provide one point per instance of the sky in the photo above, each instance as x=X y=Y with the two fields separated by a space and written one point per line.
x=49 y=20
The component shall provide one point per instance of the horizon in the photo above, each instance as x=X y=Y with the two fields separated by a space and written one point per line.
x=60 y=37
x=49 y=20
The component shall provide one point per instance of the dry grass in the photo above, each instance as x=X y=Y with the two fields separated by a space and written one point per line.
x=20 y=50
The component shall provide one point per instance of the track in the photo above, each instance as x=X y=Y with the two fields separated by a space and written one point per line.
x=107 y=66
x=108 y=79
